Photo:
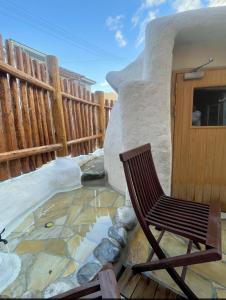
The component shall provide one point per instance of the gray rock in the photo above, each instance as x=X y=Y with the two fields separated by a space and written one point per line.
x=58 y=287
x=119 y=234
x=88 y=272
x=93 y=175
x=107 y=251
x=125 y=217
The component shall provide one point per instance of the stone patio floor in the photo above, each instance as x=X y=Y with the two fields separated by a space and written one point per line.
x=207 y=280
x=50 y=254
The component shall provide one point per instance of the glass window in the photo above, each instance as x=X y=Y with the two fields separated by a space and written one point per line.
x=209 y=106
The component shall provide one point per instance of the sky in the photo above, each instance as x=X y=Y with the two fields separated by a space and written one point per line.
x=90 y=37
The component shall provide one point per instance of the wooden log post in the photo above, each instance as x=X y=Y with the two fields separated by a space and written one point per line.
x=100 y=99
x=58 y=115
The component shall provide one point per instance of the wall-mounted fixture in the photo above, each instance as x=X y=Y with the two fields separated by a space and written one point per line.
x=196 y=73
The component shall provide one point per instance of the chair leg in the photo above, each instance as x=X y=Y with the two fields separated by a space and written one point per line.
x=197 y=245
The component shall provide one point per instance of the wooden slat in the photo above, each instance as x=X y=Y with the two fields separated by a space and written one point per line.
x=42 y=109
x=78 y=99
x=8 y=121
x=16 y=154
x=145 y=289
x=23 y=76
x=4 y=170
x=25 y=106
x=38 y=114
x=18 y=119
x=58 y=115
x=128 y=282
x=85 y=139
x=48 y=109
x=33 y=115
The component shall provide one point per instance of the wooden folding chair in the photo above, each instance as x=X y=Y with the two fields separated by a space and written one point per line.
x=104 y=286
x=198 y=222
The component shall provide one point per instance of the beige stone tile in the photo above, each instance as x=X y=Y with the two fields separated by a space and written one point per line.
x=56 y=247
x=104 y=199
x=214 y=271
x=74 y=212
x=85 y=194
x=27 y=260
x=46 y=269
x=82 y=229
x=71 y=268
x=73 y=245
x=89 y=215
x=173 y=245
x=42 y=233
x=30 y=247
x=66 y=233
x=221 y=293
x=223 y=225
x=223 y=238
x=164 y=278
x=65 y=197
x=27 y=225
x=53 y=209
x=60 y=221
x=201 y=287
x=138 y=247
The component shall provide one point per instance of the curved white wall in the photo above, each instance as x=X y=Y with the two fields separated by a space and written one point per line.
x=143 y=112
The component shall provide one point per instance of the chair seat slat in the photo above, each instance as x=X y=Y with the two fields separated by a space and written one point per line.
x=182 y=212
x=179 y=231
x=176 y=224
x=177 y=217
x=187 y=202
x=185 y=206
x=183 y=209
x=183 y=215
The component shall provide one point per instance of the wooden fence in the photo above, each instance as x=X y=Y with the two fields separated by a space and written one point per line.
x=44 y=115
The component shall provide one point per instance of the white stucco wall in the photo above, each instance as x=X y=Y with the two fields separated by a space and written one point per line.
x=142 y=113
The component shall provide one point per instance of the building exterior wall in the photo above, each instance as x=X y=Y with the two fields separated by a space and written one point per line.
x=144 y=87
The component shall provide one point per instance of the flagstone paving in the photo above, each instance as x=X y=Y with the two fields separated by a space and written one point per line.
x=50 y=254
x=207 y=280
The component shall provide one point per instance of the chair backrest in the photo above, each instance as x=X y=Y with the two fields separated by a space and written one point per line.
x=142 y=180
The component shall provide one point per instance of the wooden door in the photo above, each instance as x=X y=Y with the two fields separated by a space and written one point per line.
x=199 y=145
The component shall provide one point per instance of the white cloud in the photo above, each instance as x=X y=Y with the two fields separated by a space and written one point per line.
x=150 y=16
x=114 y=23
x=213 y=3
x=145 y=4
x=183 y=5
x=150 y=3
x=120 y=39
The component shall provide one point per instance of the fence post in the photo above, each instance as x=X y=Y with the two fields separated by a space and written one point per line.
x=58 y=114
x=101 y=100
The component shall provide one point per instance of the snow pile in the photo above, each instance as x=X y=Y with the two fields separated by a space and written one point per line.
x=22 y=195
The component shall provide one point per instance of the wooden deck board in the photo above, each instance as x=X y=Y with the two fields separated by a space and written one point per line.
x=138 y=286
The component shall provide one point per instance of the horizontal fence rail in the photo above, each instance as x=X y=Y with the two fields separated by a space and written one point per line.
x=43 y=114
